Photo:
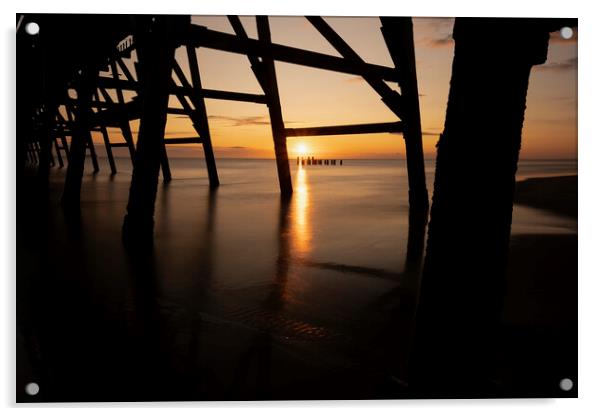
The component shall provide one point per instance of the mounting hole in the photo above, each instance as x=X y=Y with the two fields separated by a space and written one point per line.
x=566 y=384
x=32 y=389
x=32 y=28
x=566 y=33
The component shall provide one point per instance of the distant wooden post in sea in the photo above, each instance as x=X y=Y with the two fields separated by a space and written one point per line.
x=312 y=160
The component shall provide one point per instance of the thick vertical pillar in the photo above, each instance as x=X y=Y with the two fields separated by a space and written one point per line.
x=464 y=273
x=156 y=43
x=201 y=121
x=80 y=138
x=270 y=85
x=399 y=37
x=163 y=159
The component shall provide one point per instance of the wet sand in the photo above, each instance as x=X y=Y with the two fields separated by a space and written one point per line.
x=555 y=194
x=539 y=343
x=246 y=297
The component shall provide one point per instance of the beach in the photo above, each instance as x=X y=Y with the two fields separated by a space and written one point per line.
x=249 y=296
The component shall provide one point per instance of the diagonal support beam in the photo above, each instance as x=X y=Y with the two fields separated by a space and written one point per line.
x=200 y=36
x=392 y=99
x=265 y=72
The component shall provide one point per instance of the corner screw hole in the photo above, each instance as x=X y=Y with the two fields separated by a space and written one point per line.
x=32 y=389
x=566 y=384
x=32 y=28
x=566 y=33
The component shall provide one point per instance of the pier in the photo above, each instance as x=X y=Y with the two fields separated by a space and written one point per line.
x=99 y=92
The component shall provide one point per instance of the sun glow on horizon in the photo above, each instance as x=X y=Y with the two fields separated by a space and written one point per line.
x=302 y=149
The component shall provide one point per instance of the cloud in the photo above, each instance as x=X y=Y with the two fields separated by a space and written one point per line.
x=566 y=65
x=247 y=121
x=188 y=133
x=443 y=41
x=243 y=121
x=354 y=80
x=434 y=32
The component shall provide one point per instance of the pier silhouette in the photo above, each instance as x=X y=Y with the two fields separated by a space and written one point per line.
x=158 y=76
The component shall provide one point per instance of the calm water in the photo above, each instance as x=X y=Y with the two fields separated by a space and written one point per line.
x=341 y=241
x=316 y=279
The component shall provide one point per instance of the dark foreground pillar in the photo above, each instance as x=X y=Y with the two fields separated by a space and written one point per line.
x=464 y=272
x=156 y=40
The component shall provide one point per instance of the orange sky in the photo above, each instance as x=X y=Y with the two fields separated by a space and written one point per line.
x=312 y=97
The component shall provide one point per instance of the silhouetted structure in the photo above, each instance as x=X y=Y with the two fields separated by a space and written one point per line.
x=155 y=38
x=462 y=286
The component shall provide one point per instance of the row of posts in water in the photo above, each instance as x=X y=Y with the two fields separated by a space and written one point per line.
x=310 y=160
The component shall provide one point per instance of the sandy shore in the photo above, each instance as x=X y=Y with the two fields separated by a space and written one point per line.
x=556 y=194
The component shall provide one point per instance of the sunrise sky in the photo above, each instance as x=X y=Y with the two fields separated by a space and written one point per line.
x=312 y=97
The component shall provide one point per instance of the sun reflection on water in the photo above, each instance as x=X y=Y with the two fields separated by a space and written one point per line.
x=300 y=214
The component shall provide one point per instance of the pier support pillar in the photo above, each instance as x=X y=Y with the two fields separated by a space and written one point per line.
x=156 y=44
x=85 y=87
x=462 y=288
x=201 y=122
x=398 y=33
x=46 y=140
x=270 y=85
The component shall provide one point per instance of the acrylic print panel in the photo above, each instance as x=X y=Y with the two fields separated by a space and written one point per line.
x=253 y=208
